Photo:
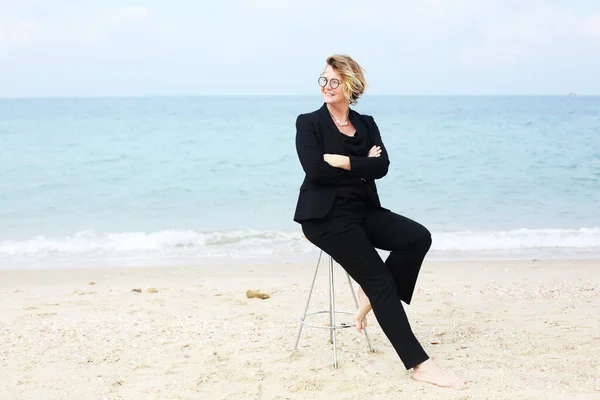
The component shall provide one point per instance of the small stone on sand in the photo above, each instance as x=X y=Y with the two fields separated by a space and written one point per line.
x=256 y=294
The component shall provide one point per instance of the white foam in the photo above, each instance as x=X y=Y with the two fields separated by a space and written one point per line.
x=162 y=243
x=189 y=244
x=583 y=238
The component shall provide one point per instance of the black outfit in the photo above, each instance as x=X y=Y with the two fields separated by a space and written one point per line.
x=340 y=212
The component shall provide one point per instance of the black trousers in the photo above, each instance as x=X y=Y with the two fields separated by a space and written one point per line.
x=350 y=234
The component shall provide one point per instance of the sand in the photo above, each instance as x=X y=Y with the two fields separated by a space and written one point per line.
x=513 y=329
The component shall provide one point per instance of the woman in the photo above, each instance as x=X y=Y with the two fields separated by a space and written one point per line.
x=342 y=155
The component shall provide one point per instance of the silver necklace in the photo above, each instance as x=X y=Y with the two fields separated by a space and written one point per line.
x=338 y=122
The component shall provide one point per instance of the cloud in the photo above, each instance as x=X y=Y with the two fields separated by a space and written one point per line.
x=18 y=32
x=490 y=34
x=464 y=32
x=591 y=27
x=88 y=28
x=532 y=35
x=131 y=13
x=436 y=41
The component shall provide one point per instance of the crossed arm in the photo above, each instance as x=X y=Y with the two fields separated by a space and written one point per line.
x=335 y=168
x=340 y=161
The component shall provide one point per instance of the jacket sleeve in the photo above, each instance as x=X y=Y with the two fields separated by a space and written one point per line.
x=372 y=167
x=310 y=155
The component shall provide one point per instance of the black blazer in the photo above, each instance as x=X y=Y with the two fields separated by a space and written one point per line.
x=317 y=134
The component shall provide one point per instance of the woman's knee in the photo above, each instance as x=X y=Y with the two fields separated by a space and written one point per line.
x=426 y=240
x=421 y=239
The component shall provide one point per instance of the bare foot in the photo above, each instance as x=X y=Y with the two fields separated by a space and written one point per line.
x=364 y=306
x=428 y=371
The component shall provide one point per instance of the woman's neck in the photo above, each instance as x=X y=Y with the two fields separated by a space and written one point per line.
x=339 y=111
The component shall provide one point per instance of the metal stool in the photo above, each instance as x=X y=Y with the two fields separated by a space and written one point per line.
x=332 y=311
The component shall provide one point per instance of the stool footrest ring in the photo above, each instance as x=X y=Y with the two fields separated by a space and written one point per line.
x=343 y=326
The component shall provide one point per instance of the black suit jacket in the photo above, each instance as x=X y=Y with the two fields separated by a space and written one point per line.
x=317 y=134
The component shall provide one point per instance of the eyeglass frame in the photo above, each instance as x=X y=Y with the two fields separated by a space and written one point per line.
x=329 y=81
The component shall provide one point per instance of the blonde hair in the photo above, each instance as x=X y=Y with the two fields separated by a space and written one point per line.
x=354 y=83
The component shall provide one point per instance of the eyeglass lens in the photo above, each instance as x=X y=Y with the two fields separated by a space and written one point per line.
x=333 y=82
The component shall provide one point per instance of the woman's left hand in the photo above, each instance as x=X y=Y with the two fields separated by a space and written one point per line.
x=375 y=151
x=337 y=161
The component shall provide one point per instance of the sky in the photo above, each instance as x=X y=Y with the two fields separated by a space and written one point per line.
x=276 y=47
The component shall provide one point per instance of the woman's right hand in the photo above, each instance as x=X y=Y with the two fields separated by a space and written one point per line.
x=375 y=151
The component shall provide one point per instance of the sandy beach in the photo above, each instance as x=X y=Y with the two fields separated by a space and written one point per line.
x=513 y=329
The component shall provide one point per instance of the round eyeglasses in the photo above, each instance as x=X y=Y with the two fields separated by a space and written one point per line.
x=334 y=83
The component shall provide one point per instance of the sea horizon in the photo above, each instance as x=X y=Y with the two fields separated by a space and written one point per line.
x=287 y=95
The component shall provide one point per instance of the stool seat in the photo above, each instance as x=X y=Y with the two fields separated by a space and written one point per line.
x=332 y=326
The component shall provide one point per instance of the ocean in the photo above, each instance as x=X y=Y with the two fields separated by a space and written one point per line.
x=214 y=180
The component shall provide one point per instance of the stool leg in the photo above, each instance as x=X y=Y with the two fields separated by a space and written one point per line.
x=332 y=312
x=356 y=303
x=308 y=301
x=331 y=302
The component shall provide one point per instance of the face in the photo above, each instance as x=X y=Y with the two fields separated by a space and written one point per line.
x=332 y=94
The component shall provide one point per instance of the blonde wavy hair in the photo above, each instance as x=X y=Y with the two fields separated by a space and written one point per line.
x=353 y=79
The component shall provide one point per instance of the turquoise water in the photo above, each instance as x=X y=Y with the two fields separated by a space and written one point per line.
x=161 y=179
